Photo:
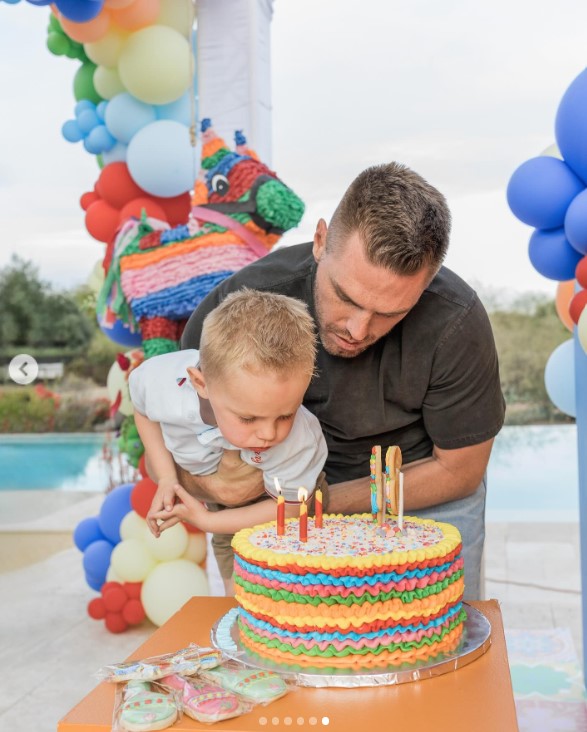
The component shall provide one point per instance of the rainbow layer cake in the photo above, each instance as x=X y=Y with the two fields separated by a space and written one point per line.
x=355 y=595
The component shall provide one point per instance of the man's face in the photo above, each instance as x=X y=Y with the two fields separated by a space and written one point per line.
x=357 y=302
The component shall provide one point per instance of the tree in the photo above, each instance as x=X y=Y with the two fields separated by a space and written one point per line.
x=35 y=316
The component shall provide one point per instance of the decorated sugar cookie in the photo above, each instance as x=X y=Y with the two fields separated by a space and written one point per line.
x=143 y=709
x=259 y=686
x=205 y=701
x=393 y=465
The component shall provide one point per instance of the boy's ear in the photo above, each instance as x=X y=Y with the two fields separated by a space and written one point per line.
x=198 y=381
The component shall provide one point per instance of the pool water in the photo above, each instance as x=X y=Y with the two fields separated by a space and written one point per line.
x=67 y=462
x=532 y=474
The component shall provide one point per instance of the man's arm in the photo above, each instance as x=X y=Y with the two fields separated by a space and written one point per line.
x=447 y=475
x=234 y=483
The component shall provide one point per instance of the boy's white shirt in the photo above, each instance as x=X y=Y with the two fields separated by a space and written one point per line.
x=197 y=447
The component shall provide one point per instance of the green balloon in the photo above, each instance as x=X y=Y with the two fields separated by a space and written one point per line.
x=57 y=43
x=83 y=84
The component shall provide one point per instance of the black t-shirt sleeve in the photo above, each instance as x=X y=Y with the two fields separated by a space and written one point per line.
x=464 y=403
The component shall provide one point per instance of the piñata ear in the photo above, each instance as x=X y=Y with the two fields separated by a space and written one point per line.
x=213 y=147
x=240 y=142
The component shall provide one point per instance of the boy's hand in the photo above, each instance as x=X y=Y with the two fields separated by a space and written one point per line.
x=163 y=501
x=187 y=508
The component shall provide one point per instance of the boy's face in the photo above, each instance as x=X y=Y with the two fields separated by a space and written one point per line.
x=253 y=411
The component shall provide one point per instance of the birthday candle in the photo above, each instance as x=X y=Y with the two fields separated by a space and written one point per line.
x=318 y=510
x=400 y=510
x=303 y=521
x=280 y=509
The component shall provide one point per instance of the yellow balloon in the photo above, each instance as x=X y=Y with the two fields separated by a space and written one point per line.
x=196 y=548
x=111 y=576
x=106 y=51
x=177 y=14
x=552 y=151
x=169 y=586
x=133 y=526
x=131 y=560
x=155 y=64
x=170 y=545
x=107 y=82
x=582 y=329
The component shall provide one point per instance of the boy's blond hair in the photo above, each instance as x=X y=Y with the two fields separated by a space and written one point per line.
x=258 y=331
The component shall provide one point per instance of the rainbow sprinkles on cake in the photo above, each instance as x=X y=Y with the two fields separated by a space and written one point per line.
x=366 y=591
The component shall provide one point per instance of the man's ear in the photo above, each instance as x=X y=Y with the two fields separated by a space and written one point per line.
x=319 y=240
x=198 y=381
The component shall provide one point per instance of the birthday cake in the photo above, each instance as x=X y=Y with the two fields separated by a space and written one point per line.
x=354 y=595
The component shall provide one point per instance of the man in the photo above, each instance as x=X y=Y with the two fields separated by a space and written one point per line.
x=406 y=358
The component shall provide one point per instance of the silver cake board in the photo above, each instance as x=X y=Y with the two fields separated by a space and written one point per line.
x=475 y=642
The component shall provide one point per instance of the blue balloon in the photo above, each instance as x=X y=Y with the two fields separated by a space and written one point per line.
x=116 y=154
x=180 y=110
x=576 y=223
x=87 y=119
x=79 y=10
x=161 y=159
x=95 y=583
x=83 y=105
x=87 y=531
x=540 y=191
x=571 y=125
x=114 y=508
x=96 y=559
x=552 y=255
x=99 y=140
x=101 y=110
x=559 y=378
x=126 y=115
x=71 y=131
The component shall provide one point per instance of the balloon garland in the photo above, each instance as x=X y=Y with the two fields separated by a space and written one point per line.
x=549 y=192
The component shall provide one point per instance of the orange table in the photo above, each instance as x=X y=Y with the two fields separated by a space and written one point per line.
x=476 y=697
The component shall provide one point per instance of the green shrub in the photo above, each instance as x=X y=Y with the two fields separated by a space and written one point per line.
x=22 y=410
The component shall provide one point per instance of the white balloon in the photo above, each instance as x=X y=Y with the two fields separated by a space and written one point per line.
x=169 y=586
x=196 y=548
x=582 y=329
x=131 y=560
x=133 y=526
x=171 y=544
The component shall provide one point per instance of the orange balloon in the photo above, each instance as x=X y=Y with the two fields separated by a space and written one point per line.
x=137 y=15
x=88 y=32
x=564 y=295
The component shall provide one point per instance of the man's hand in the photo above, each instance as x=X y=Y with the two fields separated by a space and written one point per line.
x=163 y=501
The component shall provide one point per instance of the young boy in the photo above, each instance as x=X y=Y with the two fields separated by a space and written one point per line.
x=243 y=389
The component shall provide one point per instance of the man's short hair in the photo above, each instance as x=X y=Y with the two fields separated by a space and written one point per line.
x=403 y=221
x=258 y=331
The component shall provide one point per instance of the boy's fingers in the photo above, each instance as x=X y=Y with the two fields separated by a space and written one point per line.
x=168 y=523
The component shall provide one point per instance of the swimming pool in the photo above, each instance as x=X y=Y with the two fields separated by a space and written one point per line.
x=65 y=462
x=532 y=474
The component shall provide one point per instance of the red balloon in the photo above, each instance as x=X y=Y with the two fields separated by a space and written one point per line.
x=88 y=199
x=133 y=612
x=177 y=208
x=133 y=590
x=143 y=466
x=142 y=496
x=97 y=609
x=577 y=304
x=116 y=186
x=581 y=273
x=191 y=529
x=136 y=207
x=114 y=599
x=115 y=623
x=102 y=221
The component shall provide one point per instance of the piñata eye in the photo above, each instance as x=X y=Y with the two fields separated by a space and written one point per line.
x=220 y=184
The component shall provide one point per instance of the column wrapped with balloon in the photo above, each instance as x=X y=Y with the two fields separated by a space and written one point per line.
x=549 y=192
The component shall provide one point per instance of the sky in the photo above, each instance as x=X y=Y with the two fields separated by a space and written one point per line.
x=462 y=92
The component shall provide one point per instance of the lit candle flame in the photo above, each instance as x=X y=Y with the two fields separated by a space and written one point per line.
x=302 y=494
x=277 y=486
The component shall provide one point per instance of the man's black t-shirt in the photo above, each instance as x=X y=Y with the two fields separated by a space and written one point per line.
x=433 y=379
